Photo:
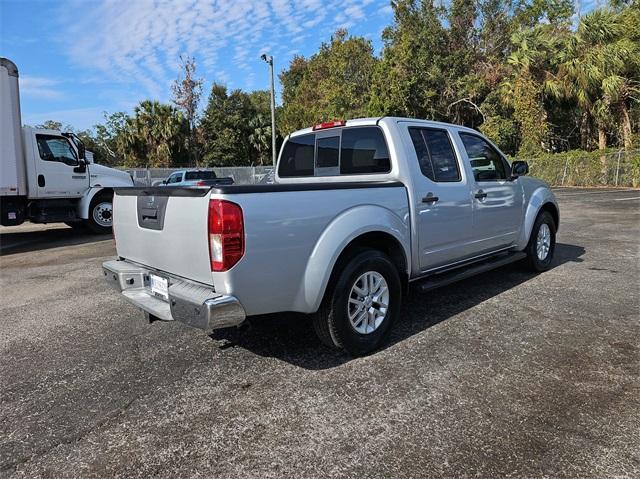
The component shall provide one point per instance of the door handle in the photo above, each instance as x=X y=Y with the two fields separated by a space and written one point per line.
x=481 y=195
x=430 y=198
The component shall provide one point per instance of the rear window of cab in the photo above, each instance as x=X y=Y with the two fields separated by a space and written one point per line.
x=344 y=151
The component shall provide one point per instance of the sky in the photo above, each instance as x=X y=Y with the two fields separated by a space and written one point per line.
x=79 y=58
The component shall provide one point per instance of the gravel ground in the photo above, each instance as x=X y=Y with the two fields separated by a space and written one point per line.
x=506 y=374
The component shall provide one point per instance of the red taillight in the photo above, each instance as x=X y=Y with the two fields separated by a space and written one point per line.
x=226 y=234
x=329 y=124
x=201 y=183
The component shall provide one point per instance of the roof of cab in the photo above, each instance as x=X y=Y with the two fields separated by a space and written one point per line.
x=376 y=120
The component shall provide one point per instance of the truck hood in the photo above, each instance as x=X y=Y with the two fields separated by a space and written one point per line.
x=105 y=176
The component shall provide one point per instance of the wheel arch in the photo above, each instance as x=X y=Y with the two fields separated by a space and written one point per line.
x=542 y=199
x=553 y=209
x=367 y=226
x=85 y=201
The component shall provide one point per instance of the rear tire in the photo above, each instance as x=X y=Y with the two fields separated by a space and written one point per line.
x=542 y=243
x=364 y=301
x=100 y=214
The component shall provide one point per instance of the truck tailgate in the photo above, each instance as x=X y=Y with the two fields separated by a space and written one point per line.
x=155 y=227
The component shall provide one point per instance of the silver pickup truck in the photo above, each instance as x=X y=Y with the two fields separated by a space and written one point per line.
x=358 y=211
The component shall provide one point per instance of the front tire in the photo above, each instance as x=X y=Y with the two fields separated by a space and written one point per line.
x=542 y=243
x=358 y=311
x=100 y=214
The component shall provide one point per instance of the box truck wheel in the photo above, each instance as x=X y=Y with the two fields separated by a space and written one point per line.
x=100 y=214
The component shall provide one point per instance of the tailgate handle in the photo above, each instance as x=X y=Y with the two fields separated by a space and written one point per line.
x=151 y=211
x=148 y=214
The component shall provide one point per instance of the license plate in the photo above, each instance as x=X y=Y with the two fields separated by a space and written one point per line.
x=159 y=286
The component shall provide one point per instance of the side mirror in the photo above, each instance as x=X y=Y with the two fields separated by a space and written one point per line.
x=519 y=168
x=81 y=151
x=164 y=182
x=81 y=168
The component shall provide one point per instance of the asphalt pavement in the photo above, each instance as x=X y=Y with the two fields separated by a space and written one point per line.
x=507 y=374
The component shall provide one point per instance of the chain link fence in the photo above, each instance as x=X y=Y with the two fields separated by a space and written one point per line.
x=242 y=175
x=621 y=168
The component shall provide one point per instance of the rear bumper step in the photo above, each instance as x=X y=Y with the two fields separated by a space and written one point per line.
x=189 y=303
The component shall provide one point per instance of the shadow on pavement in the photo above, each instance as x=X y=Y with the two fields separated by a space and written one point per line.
x=12 y=242
x=290 y=337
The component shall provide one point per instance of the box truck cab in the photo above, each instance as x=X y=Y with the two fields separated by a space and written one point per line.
x=46 y=175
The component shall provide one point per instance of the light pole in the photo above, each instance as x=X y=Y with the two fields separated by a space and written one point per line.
x=269 y=60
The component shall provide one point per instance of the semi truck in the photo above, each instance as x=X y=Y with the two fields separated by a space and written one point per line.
x=46 y=176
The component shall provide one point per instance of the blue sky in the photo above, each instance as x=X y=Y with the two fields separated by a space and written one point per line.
x=78 y=58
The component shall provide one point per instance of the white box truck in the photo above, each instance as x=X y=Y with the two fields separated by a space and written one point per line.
x=45 y=175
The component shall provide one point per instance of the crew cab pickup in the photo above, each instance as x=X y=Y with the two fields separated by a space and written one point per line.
x=358 y=211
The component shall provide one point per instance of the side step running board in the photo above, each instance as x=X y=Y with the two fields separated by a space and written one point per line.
x=444 y=279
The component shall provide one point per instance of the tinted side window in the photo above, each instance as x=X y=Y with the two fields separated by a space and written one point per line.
x=328 y=152
x=364 y=151
x=435 y=154
x=486 y=162
x=297 y=156
x=55 y=148
x=200 y=175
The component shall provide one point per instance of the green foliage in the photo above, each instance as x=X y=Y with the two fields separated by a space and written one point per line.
x=502 y=131
x=154 y=136
x=409 y=79
x=581 y=168
x=235 y=129
x=332 y=84
x=524 y=72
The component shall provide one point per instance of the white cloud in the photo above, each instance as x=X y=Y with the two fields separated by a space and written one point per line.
x=139 y=41
x=38 y=87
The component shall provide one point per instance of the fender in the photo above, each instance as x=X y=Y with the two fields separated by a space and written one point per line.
x=82 y=208
x=101 y=178
x=337 y=235
x=540 y=196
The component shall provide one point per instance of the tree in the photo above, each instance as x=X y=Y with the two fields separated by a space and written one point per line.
x=600 y=70
x=52 y=125
x=408 y=80
x=533 y=62
x=186 y=93
x=155 y=136
x=332 y=84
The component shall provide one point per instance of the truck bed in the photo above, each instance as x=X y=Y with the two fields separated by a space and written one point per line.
x=284 y=226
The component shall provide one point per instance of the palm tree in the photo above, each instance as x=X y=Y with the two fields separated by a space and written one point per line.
x=260 y=136
x=532 y=62
x=155 y=135
x=599 y=71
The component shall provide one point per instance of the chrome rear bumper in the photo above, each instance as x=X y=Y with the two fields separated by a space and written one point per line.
x=190 y=303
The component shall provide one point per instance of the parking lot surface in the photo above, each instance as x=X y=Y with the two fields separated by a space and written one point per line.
x=504 y=374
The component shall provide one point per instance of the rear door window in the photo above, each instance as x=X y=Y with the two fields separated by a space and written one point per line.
x=298 y=156
x=435 y=154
